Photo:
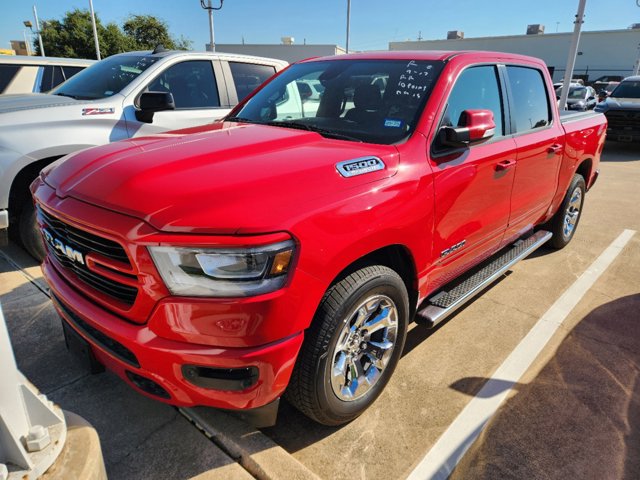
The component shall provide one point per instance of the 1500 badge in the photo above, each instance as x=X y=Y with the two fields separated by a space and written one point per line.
x=453 y=248
x=359 y=166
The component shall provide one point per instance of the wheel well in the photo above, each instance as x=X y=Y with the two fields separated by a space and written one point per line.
x=584 y=169
x=19 y=192
x=397 y=258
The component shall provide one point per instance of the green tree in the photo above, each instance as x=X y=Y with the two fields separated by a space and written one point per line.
x=147 y=31
x=72 y=37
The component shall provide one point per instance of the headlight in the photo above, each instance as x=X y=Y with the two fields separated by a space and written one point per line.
x=223 y=272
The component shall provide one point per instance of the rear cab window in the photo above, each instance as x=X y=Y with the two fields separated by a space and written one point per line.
x=249 y=76
x=7 y=73
x=530 y=107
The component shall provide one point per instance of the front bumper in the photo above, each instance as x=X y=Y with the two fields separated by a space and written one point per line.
x=133 y=351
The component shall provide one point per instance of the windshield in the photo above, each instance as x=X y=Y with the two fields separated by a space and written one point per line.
x=627 y=90
x=377 y=101
x=577 y=93
x=105 y=78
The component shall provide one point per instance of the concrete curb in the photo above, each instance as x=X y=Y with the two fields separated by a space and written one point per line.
x=81 y=456
x=258 y=454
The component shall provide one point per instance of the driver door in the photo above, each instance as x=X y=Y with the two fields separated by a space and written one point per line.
x=198 y=98
x=472 y=185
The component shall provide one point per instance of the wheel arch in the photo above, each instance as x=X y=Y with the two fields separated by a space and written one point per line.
x=19 y=191
x=397 y=257
x=585 y=168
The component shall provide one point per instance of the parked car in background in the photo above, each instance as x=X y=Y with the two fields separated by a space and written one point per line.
x=126 y=95
x=28 y=74
x=605 y=91
x=278 y=252
x=622 y=109
x=579 y=98
x=601 y=82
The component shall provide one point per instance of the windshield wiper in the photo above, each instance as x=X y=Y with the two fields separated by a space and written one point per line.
x=239 y=119
x=60 y=94
x=312 y=128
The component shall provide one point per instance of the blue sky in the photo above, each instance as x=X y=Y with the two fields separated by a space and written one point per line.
x=373 y=22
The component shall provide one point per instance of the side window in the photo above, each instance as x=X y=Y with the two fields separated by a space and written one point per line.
x=47 y=78
x=192 y=84
x=71 y=71
x=476 y=88
x=248 y=76
x=7 y=72
x=58 y=78
x=530 y=107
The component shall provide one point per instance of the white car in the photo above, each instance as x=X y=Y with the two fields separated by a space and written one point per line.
x=27 y=74
x=126 y=95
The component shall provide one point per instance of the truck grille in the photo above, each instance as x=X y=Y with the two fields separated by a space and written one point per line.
x=621 y=120
x=84 y=243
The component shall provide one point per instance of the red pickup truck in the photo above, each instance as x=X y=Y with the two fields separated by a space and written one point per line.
x=285 y=249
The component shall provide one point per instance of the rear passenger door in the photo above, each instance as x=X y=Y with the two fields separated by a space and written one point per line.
x=540 y=142
x=243 y=78
x=198 y=93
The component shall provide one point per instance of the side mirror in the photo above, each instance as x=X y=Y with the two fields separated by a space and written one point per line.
x=151 y=102
x=305 y=91
x=475 y=126
x=591 y=98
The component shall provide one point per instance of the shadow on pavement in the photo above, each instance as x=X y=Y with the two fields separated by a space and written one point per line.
x=579 y=418
x=620 y=152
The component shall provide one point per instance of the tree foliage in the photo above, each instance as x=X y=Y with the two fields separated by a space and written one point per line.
x=72 y=37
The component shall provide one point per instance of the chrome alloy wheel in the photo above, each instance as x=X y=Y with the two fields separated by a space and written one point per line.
x=572 y=213
x=364 y=347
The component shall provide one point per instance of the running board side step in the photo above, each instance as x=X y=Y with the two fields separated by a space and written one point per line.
x=444 y=303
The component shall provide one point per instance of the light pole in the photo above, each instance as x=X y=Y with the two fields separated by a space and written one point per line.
x=636 y=67
x=95 y=30
x=35 y=15
x=573 y=51
x=348 y=23
x=207 y=6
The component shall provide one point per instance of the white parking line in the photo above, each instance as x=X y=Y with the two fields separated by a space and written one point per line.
x=456 y=440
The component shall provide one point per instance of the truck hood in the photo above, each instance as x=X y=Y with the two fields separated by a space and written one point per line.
x=16 y=103
x=626 y=103
x=222 y=179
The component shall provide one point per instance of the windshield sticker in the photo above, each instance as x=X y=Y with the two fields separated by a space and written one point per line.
x=359 y=166
x=98 y=111
x=392 y=122
x=414 y=81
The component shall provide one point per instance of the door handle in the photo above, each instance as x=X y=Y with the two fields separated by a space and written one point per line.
x=555 y=148
x=503 y=165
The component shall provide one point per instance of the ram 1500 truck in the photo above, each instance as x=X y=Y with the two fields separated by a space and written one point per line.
x=622 y=109
x=127 y=95
x=285 y=249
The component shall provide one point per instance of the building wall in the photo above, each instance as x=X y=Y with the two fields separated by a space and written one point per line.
x=604 y=52
x=289 y=53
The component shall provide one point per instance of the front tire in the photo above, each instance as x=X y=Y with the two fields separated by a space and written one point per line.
x=352 y=347
x=30 y=235
x=564 y=223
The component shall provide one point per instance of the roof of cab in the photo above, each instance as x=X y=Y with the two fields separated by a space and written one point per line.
x=221 y=55
x=35 y=60
x=432 y=55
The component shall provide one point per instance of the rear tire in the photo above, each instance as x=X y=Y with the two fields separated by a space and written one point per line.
x=564 y=223
x=30 y=235
x=352 y=347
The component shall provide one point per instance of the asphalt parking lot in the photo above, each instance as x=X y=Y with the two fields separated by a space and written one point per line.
x=574 y=414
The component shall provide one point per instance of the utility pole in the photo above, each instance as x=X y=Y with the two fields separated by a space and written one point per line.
x=211 y=41
x=95 y=30
x=636 y=68
x=207 y=6
x=35 y=15
x=573 y=51
x=348 y=23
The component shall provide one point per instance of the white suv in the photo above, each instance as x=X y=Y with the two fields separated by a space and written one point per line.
x=125 y=95
x=24 y=74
